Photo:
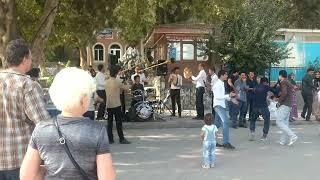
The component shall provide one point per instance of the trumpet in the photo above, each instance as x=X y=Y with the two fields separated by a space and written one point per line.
x=187 y=73
x=169 y=61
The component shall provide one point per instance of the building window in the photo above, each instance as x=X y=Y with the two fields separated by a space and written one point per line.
x=188 y=52
x=174 y=50
x=201 y=54
x=98 y=52
x=115 y=49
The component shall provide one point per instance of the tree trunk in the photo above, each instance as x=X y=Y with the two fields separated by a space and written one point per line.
x=89 y=55
x=8 y=26
x=42 y=35
x=83 y=57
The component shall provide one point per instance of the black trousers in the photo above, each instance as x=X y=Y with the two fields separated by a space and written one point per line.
x=123 y=103
x=10 y=174
x=115 y=112
x=175 y=99
x=307 y=108
x=89 y=114
x=199 y=102
x=249 y=107
x=102 y=106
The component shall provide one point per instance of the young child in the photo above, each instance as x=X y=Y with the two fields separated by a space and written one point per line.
x=208 y=136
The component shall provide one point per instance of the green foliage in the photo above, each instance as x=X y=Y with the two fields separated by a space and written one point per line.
x=247 y=35
x=135 y=19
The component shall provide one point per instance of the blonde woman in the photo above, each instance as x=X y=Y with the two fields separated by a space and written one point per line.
x=87 y=140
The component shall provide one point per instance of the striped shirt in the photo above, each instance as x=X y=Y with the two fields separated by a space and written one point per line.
x=21 y=107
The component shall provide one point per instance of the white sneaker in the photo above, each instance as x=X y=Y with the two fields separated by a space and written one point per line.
x=212 y=165
x=282 y=143
x=263 y=138
x=205 y=166
x=293 y=139
x=251 y=137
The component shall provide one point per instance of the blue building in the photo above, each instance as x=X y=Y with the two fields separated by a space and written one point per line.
x=304 y=51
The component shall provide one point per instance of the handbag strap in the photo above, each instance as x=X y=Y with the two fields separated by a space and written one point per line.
x=63 y=142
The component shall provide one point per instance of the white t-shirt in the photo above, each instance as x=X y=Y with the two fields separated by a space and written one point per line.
x=142 y=78
x=179 y=83
x=100 y=80
x=209 y=129
x=93 y=99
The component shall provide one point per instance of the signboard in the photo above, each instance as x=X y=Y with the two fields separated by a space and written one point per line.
x=106 y=34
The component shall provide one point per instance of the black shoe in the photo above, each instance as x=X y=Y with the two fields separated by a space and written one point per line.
x=124 y=141
x=307 y=119
x=219 y=145
x=180 y=116
x=228 y=146
x=303 y=116
x=173 y=115
x=243 y=125
x=111 y=142
x=234 y=126
x=197 y=118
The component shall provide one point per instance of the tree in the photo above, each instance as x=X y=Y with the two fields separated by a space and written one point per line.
x=248 y=33
x=8 y=29
x=78 y=23
x=13 y=24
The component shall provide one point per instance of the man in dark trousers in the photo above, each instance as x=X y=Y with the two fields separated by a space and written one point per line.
x=175 y=81
x=307 y=89
x=114 y=105
x=252 y=83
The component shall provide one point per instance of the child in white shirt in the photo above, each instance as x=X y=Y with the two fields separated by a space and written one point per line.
x=208 y=136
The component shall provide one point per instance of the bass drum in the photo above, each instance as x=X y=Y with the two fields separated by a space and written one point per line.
x=143 y=111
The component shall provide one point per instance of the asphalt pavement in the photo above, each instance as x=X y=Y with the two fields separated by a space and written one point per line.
x=175 y=154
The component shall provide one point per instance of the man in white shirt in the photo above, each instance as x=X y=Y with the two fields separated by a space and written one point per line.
x=139 y=72
x=214 y=78
x=175 y=81
x=200 y=81
x=101 y=91
x=219 y=104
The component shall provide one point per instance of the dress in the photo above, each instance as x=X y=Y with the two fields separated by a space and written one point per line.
x=294 y=109
x=316 y=104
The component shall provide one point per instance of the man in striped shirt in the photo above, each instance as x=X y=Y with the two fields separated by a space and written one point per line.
x=21 y=107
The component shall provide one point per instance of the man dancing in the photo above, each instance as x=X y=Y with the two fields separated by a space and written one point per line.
x=219 y=104
x=175 y=81
x=284 y=102
x=200 y=81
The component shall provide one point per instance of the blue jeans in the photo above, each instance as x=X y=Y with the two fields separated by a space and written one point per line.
x=10 y=174
x=243 y=112
x=233 y=112
x=199 y=102
x=221 y=119
x=264 y=111
x=208 y=152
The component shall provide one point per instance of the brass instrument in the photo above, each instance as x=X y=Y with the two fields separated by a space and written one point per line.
x=187 y=73
x=169 y=61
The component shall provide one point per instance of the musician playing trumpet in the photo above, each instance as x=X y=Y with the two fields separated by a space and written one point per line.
x=175 y=81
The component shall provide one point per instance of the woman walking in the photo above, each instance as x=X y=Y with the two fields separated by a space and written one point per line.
x=294 y=110
x=316 y=104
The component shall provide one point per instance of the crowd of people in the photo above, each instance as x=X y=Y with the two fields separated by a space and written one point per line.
x=38 y=146
x=237 y=94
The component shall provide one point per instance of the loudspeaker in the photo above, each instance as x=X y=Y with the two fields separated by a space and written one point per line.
x=113 y=60
x=162 y=70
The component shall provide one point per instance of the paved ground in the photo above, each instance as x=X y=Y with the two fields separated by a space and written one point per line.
x=175 y=154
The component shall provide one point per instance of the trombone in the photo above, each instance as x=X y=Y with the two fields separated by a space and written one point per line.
x=169 y=61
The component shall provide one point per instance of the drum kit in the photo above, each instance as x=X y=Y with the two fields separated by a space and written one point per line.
x=142 y=110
